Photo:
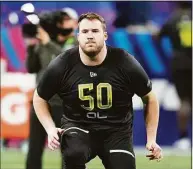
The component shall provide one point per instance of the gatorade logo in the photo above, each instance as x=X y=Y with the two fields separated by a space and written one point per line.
x=14 y=108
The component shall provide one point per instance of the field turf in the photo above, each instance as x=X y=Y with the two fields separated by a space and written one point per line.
x=15 y=159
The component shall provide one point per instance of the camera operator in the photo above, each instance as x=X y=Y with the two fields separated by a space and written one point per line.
x=40 y=51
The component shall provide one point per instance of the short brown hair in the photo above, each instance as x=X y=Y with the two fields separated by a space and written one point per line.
x=91 y=16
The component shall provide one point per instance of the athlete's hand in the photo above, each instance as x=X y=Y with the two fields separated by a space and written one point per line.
x=155 y=151
x=53 y=138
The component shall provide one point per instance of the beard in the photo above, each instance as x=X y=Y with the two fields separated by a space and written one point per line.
x=91 y=52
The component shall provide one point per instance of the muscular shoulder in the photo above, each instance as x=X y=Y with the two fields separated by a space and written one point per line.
x=70 y=55
x=66 y=59
x=121 y=57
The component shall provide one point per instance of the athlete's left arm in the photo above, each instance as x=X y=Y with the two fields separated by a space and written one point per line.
x=142 y=86
x=151 y=115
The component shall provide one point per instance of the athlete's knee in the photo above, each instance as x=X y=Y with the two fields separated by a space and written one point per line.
x=121 y=159
x=78 y=155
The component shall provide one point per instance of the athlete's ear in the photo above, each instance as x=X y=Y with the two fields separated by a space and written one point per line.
x=105 y=35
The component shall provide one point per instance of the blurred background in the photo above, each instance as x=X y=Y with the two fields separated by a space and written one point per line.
x=134 y=26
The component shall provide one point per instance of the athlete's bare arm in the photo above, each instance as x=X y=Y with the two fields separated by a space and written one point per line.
x=151 y=114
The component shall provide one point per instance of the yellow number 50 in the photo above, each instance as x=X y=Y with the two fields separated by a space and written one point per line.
x=90 y=99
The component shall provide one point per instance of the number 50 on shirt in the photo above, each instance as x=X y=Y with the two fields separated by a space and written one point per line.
x=99 y=97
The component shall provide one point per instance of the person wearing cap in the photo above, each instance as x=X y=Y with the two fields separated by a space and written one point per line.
x=38 y=57
x=67 y=24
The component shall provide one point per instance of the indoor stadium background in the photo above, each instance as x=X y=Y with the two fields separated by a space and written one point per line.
x=17 y=85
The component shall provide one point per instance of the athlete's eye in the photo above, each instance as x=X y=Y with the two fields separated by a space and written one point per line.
x=95 y=30
x=84 y=31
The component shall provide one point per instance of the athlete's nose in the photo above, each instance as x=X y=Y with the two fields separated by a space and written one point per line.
x=90 y=35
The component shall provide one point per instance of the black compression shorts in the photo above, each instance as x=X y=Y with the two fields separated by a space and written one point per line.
x=113 y=146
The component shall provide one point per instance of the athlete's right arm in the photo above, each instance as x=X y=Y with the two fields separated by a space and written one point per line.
x=47 y=87
x=41 y=107
x=42 y=111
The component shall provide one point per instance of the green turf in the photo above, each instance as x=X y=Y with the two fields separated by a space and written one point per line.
x=12 y=159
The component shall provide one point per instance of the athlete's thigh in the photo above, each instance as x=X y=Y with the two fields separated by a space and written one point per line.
x=118 y=151
x=75 y=146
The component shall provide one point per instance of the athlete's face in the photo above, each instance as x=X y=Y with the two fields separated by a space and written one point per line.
x=91 y=36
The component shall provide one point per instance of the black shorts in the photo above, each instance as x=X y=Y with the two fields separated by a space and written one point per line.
x=113 y=146
x=182 y=80
x=181 y=66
